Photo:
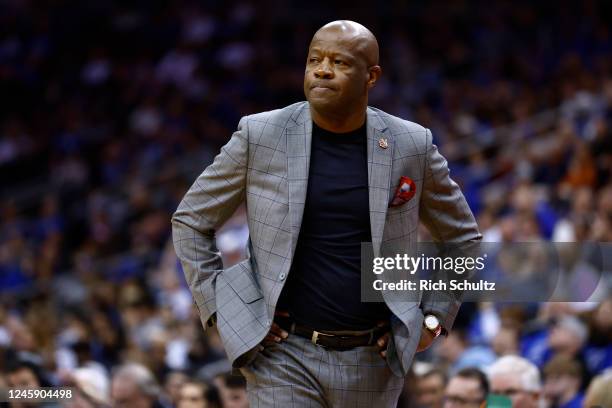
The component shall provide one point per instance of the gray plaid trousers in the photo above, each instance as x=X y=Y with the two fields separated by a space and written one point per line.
x=295 y=374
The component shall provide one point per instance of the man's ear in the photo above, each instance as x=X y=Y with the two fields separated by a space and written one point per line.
x=375 y=72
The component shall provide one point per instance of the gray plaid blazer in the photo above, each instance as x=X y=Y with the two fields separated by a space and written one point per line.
x=266 y=163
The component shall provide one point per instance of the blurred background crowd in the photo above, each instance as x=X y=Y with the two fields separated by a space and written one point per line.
x=109 y=110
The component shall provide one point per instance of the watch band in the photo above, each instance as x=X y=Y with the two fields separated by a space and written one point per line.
x=438 y=329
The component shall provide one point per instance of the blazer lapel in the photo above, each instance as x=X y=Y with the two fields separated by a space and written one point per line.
x=380 y=155
x=299 y=136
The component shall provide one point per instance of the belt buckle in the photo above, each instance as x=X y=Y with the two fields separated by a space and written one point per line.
x=315 y=337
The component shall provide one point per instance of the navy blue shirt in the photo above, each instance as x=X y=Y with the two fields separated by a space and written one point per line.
x=323 y=289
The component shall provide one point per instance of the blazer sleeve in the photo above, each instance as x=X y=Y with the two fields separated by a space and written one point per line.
x=208 y=203
x=447 y=216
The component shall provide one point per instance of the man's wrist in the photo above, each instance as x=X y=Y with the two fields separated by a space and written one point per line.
x=432 y=323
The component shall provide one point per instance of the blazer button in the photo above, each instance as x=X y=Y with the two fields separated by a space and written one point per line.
x=282 y=276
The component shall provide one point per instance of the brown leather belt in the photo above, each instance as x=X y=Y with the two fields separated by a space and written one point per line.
x=331 y=340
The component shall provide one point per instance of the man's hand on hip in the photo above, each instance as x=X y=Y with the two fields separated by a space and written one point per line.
x=427 y=338
x=276 y=334
x=383 y=341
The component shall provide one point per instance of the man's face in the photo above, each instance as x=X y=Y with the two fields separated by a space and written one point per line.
x=23 y=378
x=556 y=385
x=191 y=396
x=430 y=391
x=563 y=340
x=125 y=393
x=174 y=383
x=336 y=76
x=234 y=398
x=510 y=386
x=463 y=392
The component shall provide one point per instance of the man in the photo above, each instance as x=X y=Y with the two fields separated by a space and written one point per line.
x=173 y=383
x=430 y=389
x=468 y=388
x=562 y=381
x=567 y=336
x=506 y=341
x=456 y=351
x=134 y=386
x=319 y=178
x=91 y=388
x=23 y=372
x=517 y=379
x=192 y=394
x=232 y=390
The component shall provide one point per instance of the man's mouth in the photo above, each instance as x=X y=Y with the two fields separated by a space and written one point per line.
x=321 y=86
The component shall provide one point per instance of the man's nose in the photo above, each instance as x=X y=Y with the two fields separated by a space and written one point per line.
x=324 y=70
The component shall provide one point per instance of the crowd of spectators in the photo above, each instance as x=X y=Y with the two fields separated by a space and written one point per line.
x=109 y=110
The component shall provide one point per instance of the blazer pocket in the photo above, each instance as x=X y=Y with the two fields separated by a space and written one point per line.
x=240 y=278
x=404 y=192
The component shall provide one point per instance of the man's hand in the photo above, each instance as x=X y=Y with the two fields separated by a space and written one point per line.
x=427 y=338
x=276 y=334
x=383 y=341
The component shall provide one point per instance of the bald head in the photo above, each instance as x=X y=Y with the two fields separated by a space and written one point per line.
x=354 y=35
x=342 y=66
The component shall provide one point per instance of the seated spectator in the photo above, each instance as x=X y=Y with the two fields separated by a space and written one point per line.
x=562 y=380
x=134 y=386
x=91 y=388
x=599 y=393
x=506 y=342
x=173 y=384
x=567 y=336
x=458 y=353
x=516 y=378
x=430 y=389
x=192 y=394
x=232 y=390
x=598 y=353
x=23 y=371
x=468 y=388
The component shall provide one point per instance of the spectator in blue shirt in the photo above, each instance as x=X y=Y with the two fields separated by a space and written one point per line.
x=562 y=382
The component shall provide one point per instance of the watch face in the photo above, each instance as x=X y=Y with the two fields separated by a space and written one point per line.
x=431 y=322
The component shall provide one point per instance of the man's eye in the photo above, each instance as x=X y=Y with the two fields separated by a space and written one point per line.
x=338 y=62
x=313 y=60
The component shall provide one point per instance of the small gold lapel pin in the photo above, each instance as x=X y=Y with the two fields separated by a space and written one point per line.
x=382 y=142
